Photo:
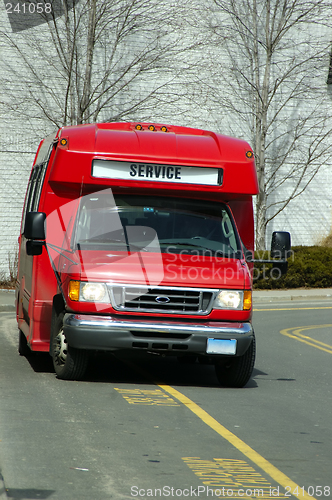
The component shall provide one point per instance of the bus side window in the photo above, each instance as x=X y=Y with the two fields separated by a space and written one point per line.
x=34 y=188
x=29 y=196
x=38 y=186
x=228 y=230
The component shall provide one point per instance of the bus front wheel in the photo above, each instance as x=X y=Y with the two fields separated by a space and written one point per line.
x=69 y=363
x=236 y=372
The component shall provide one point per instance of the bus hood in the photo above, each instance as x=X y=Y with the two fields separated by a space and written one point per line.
x=156 y=269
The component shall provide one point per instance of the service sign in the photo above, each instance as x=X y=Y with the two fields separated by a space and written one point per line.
x=138 y=171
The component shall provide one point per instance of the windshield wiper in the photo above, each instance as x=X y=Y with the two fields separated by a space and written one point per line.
x=61 y=252
x=214 y=246
x=180 y=243
x=129 y=246
x=196 y=245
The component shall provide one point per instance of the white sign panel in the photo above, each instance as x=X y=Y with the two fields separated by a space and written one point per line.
x=138 y=171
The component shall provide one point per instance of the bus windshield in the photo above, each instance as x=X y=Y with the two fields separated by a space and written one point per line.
x=117 y=222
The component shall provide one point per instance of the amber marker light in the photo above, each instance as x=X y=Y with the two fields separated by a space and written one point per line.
x=151 y=128
x=139 y=127
x=63 y=142
x=249 y=154
x=74 y=290
x=163 y=129
x=247 y=300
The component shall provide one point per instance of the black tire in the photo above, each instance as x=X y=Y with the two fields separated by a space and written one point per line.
x=236 y=372
x=69 y=363
x=23 y=348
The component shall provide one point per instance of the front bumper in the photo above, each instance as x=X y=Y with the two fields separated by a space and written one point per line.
x=85 y=331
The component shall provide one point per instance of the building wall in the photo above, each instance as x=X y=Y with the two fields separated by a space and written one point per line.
x=17 y=149
x=309 y=217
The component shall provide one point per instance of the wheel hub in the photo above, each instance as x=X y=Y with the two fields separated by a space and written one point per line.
x=60 y=348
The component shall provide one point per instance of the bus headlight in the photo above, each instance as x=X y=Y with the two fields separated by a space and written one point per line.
x=93 y=292
x=233 y=299
x=88 y=292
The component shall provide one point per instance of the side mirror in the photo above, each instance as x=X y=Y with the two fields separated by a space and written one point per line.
x=34 y=247
x=280 y=245
x=34 y=228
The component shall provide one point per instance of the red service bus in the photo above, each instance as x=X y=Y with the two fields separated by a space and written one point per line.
x=139 y=237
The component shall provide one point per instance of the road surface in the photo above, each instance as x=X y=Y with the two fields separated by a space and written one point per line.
x=155 y=428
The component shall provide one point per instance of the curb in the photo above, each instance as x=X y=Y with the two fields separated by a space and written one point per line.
x=7 y=308
x=284 y=296
x=7 y=300
x=287 y=298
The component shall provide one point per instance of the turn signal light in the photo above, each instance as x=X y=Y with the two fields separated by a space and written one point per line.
x=247 y=300
x=74 y=290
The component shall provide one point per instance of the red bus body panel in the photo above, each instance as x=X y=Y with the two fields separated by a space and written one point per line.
x=68 y=175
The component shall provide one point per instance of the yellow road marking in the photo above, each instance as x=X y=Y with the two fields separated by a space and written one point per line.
x=294 y=309
x=246 y=450
x=229 y=474
x=146 y=397
x=294 y=333
x=240 y=445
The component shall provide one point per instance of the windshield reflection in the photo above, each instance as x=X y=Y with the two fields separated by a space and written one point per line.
x=140 y=223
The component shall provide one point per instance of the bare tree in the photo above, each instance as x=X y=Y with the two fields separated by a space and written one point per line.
x=272 y=70
x=103 y=60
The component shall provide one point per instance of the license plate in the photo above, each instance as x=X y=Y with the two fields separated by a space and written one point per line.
x=219 y=346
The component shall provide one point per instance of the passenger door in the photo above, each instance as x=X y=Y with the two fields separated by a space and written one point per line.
x=25 y=271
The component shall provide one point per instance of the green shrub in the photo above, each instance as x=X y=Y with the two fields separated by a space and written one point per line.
x=327 y=241
x=307 y=267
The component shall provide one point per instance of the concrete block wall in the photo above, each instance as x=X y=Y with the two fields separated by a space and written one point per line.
x=14 y=175
x=19 y=141
x=308 y=217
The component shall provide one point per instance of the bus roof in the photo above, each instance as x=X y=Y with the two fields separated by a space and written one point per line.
x=152 y=146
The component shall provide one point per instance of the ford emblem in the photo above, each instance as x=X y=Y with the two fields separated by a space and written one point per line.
x=162 y=299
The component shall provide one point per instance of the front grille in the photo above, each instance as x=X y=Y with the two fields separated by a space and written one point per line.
x=173 y=300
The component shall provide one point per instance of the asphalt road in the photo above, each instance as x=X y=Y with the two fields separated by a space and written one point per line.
x=155 y=428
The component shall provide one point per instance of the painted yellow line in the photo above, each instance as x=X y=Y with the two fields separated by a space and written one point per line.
x=294 y=333
x=240 y=445
x=294 y=309
x=246 y=450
